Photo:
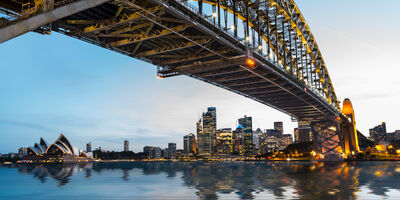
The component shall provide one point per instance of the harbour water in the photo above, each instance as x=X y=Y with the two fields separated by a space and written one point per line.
x=202 y=180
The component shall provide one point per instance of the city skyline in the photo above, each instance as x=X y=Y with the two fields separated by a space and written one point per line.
x=45 y=98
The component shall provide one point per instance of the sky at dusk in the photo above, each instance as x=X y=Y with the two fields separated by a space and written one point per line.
x=52 y=84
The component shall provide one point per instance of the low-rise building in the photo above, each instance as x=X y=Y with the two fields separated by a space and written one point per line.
x=152 y=152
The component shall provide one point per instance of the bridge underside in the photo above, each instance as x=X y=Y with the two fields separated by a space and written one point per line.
x=180 y=42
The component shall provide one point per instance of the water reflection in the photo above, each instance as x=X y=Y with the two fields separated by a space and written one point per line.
x=246 y=180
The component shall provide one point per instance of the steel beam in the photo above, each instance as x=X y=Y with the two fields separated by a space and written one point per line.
x=171 y=48
x=36 y=21
x=139 y=37
x=125 y=19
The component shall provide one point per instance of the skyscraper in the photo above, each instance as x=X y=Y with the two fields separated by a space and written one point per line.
x=256 y=138
x=212 y=128
x=247 y=125
x=279 y=126
x=126 y=145
x=189 y=144
x=224 y=141
x=172 y=150
x=89 y=147
x=378 y=133
x=206 y=132
x=304 y=132
x=237 y=141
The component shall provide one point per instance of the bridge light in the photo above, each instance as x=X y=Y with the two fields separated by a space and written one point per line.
x=159 y=77
x=259 y=47
x=214 y=14
x=313 y=153
x=233 y=27
x=247 y=38
x=250 y=62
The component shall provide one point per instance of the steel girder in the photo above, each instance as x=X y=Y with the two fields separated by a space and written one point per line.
x=284 y=29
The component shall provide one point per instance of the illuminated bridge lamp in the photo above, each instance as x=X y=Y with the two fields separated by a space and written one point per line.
x=250 y=62
x=313 y=153
x=159 y=77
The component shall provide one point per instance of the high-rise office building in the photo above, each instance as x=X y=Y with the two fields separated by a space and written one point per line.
x=256 y=138
x=212 y=128
x=126 y=145
x=89 y=147
x=237 y=141
x=189 y=144
x=279 y=126
x=378 y=133
x=172 y=150
x=273 y=132
x=247 y=125
x=224 y=141
x=206 y=133
x=304 y=132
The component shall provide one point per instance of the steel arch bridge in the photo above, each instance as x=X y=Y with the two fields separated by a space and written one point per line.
x=261 y=49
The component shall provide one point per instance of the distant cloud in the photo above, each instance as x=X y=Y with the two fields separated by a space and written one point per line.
x=26 y=125
x=142 y=130
x=369 y=96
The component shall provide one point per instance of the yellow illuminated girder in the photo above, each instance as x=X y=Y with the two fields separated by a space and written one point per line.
x=172 y=48
x=142 y=36
x=192 y=57
x=124 y=19
x=119 y=32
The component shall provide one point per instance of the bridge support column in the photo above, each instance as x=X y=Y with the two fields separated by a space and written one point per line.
x=327 y=141
x=349 y=130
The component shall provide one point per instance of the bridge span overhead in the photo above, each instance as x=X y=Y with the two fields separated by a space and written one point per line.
x=261 y=49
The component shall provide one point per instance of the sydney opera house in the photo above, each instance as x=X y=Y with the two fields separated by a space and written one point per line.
x=61 y=151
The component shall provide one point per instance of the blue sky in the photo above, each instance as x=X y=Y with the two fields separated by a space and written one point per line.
x=56 y=84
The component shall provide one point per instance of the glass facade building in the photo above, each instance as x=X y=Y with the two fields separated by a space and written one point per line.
x=247 y=125
x=207 y=133
x=189 y=144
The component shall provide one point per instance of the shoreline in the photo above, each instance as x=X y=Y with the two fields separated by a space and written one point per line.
x=200 y=161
